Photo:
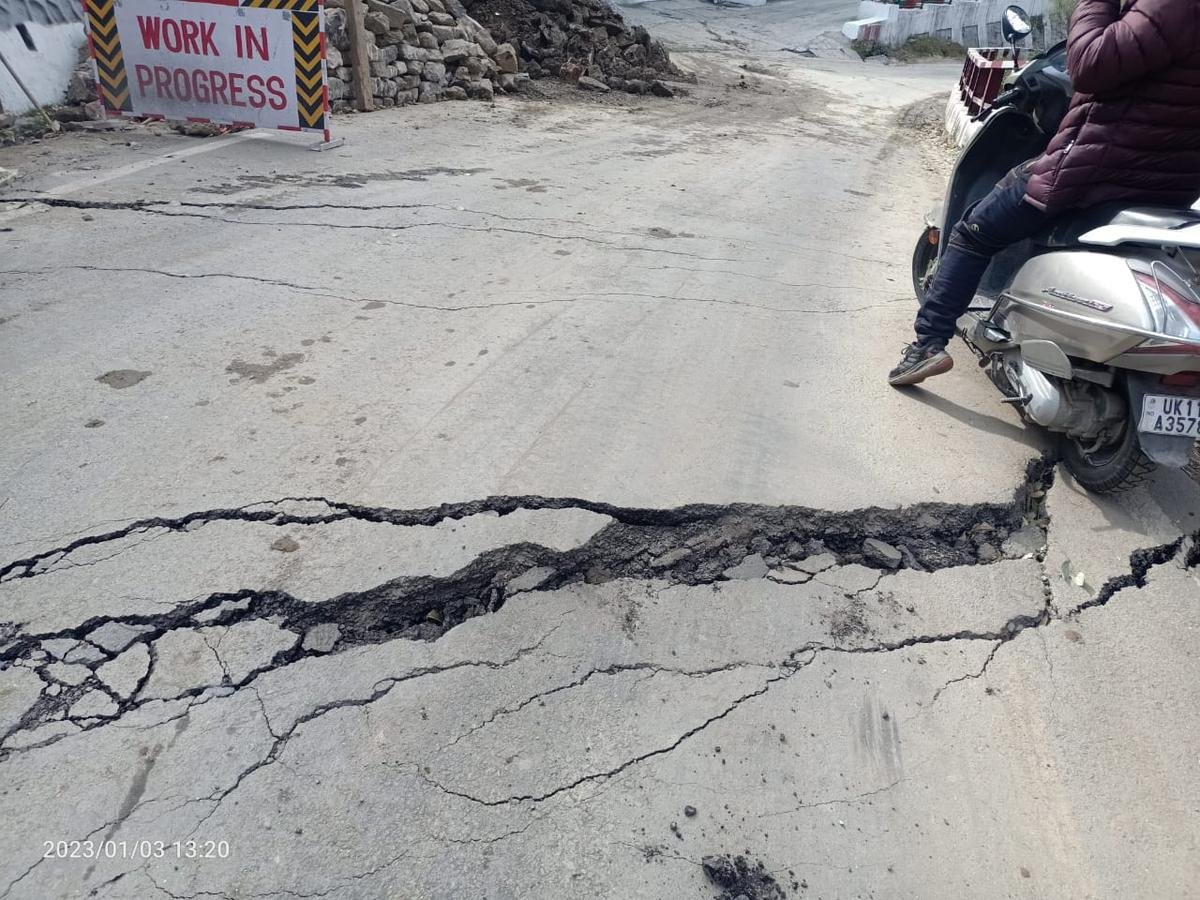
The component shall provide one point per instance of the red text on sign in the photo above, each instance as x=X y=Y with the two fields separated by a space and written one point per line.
x=185 y=36
x=248 y=44
x=211 y=86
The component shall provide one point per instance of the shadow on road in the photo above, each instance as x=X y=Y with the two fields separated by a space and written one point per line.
x=982 y=421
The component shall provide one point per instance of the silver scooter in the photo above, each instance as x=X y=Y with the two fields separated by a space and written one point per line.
x=1092 y=329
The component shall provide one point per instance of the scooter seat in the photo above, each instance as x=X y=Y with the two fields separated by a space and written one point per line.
x=1067 y=230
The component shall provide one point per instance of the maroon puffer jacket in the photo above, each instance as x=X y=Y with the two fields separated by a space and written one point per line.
x=1132 y=131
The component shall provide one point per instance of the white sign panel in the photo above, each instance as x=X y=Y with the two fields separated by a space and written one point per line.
x=212 y=61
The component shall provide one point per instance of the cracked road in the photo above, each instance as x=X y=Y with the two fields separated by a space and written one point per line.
x=508 y=504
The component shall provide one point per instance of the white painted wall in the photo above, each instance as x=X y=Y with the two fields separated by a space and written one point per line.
x=897 y=25
x=46 y=71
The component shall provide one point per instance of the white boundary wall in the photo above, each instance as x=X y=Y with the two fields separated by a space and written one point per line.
x=962 y=21
x=45 y=70
x=959 y=124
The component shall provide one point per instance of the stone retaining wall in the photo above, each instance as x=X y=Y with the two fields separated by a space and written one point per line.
x=419 y=51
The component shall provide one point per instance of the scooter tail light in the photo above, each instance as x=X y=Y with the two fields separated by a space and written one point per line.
x=1165 y=300
x=1181 y=380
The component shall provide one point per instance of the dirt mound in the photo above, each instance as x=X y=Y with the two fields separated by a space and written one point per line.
x=928 y=114
x=577 y=38
x=926 y=119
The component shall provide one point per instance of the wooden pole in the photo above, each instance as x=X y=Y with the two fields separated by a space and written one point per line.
x=359 y=64
x=50 y=123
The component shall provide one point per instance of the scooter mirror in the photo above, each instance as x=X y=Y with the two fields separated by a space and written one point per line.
x=1016 y=24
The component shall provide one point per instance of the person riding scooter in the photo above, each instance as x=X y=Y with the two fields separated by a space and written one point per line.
x=1132 y=132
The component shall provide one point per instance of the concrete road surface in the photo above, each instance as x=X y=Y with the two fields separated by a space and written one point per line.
x=774 y=30
x=510 y=504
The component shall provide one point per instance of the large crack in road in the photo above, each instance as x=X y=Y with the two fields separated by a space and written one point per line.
x=689 y=545
x=697 y=545
x=936 y=535
x=210 y=211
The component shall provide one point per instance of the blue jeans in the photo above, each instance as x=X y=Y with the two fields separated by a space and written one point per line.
x=998 y=220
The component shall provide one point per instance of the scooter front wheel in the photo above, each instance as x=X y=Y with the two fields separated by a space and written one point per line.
x=1119 y=466
x=924 y=262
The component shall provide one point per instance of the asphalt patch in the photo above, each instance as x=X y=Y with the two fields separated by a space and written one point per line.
x=739 y=878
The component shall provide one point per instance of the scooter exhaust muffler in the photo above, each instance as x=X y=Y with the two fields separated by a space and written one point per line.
x=1078 y=410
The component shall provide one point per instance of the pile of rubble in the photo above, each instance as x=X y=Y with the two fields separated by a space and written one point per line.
x=585 y=41
x=419 y=51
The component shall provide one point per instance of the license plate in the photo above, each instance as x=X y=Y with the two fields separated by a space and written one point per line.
x=1163 y=414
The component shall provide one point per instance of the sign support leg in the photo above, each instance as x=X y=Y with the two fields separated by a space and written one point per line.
x=328 y=143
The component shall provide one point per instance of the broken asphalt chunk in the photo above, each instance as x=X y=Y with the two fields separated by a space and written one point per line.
x=1025 y=542
x=814 y=565
x=321 y=638
x=84 y=654
x=123 y=674
x=530 y=579
x=880 y=554
x=753 y=566
x=68 y=674
x=116 y=636
x=91 y=704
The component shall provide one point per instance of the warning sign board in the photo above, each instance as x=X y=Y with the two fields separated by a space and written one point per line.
x=241 y=62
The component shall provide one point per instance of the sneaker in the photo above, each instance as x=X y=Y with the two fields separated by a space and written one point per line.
x=922 y=359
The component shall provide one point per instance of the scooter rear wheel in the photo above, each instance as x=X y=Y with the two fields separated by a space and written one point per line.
x=1121 y=466
x=924 y=263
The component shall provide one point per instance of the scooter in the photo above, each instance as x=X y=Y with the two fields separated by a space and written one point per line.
x=1092 y=329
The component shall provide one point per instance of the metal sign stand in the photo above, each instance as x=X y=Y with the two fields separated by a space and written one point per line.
x=359 y=66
